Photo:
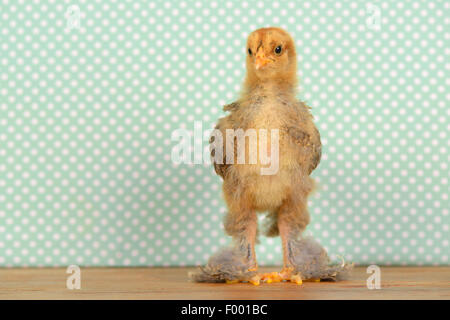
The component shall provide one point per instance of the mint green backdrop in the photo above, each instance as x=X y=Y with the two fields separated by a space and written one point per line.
x=90 y=95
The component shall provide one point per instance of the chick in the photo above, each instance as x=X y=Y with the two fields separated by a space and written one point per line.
x=268 y=101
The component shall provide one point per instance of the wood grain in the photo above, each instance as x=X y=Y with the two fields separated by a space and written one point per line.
x=172 y=283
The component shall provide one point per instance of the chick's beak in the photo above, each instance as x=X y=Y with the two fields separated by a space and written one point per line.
x=261 y=60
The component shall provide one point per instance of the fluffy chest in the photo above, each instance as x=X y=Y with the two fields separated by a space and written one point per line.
x=267 y=114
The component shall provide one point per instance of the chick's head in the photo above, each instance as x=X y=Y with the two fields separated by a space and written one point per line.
x=271 y=55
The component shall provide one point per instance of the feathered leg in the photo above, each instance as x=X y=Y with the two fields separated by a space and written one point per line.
x=292 y=219
x=237 y=263
x=303 y=257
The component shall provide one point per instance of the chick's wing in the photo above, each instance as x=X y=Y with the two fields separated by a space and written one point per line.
x=219 y=160
x=306 y=136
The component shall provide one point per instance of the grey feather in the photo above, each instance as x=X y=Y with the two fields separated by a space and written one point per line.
x=227 y=264
x=307 y=256
x=311 y=261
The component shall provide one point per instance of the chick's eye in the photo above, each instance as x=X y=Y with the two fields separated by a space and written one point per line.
x=249 y=51
x=278 y=50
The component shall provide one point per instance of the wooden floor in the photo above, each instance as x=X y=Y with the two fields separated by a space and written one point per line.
x=172 y=283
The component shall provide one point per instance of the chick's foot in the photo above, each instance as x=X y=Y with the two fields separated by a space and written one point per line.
x=310 y=261
x=230 y=265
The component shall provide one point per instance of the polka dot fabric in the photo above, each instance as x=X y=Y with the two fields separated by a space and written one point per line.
x=90 y=92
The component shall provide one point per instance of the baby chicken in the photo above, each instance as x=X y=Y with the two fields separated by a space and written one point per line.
x=268 y=101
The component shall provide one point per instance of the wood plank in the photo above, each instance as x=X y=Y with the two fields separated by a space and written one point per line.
x=172 y=283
